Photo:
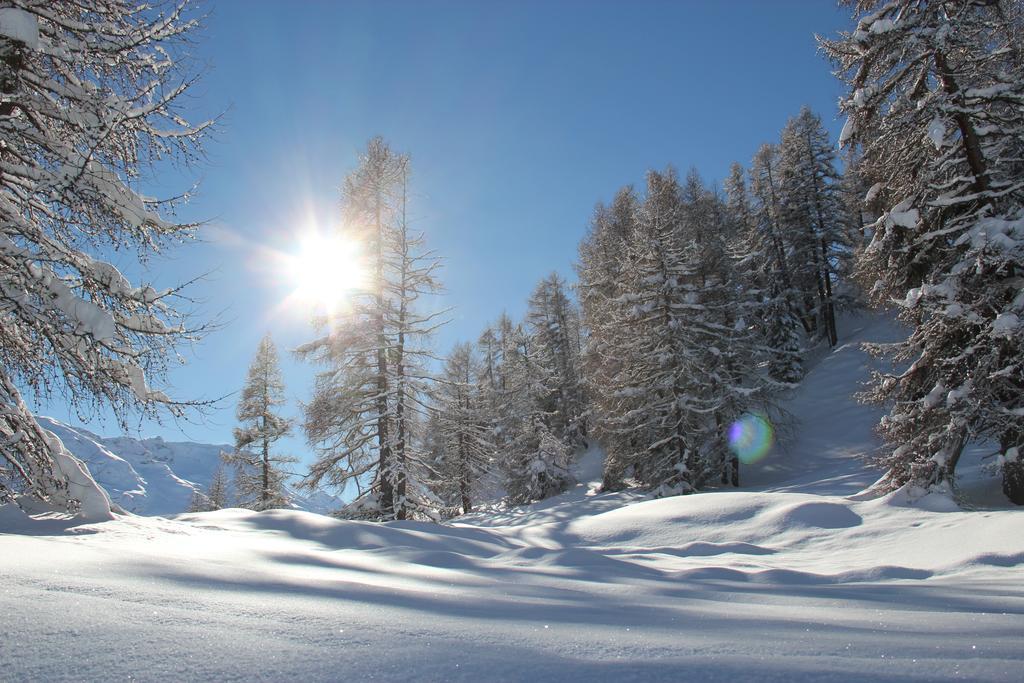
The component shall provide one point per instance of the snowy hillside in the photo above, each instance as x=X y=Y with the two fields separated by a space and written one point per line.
x=157 y=477
x=792 y=577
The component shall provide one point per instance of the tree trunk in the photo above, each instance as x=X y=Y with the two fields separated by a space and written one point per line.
x=972 y=145
x=464 y=483
x=780 y=251
x=948 y=472
x=1013 y=472
x=824 y=269
x=400 y=452
x=830 y=309
x=384 y=464
x=265 y=496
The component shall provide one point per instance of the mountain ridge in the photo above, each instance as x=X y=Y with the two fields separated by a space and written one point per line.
x=155 y=477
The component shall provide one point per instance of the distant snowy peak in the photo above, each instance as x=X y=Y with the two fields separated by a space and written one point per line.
x=157 y=477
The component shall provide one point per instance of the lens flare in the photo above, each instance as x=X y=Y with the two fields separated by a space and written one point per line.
x=750 y=438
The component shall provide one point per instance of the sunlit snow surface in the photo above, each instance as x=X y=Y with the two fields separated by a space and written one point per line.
x=789 y=579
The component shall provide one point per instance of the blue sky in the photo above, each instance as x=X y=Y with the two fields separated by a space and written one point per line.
x=518 y=117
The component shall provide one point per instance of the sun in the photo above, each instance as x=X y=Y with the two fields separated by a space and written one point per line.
x=325 y=270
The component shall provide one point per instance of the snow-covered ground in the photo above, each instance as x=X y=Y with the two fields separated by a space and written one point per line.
x=792 y=577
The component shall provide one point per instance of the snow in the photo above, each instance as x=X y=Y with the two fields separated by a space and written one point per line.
x=822 y=451
x=880 y=26
x=1006 y=325
x=937 y=132
x=849 y=130
x=796 y=576
x=873 y=192
x=20 y=25
x=902 y=215
x=93 y=501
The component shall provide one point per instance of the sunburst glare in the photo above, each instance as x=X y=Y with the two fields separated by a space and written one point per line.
x=325 y=270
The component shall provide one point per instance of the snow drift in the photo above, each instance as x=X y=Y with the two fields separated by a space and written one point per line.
x=795 y=577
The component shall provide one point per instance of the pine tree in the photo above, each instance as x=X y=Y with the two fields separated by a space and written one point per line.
x=935 y=106
x=89 y=96
x=259 y=479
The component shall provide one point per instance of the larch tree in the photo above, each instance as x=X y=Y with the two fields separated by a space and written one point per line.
x=89 y=95
x=756 y=269
x=464 y=457
x=538 y=465
x=542 y=421
x=369 y=400
x=813 y=217
x=651 y=426
x=259 y=474
x=509 y=382
x=411 y=273
x=603 y=258
x=553 y=324
x=727 y=348
x=936 y=107
x=766 y=189
x=216 y=496
x=676 y=356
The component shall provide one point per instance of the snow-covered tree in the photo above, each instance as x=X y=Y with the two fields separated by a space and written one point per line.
x=216 y=496
x=369 y=399
x=197 y=503
x=785 y=319
x=88 y=100
x=604 y=255
x=464 y=451
x=496 y=381
x=936 y=105
x=413 y=275
x=508 y=383
x=554 y=327
x=756 y=269
x=812 y=215
x=259 y=477
x=676 y=356
x=645 y=398
x=538 y=464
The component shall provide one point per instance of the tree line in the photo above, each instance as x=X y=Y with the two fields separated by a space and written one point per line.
x=693 y=306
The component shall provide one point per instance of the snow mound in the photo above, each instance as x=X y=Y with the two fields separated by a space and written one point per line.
x=732 y=585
